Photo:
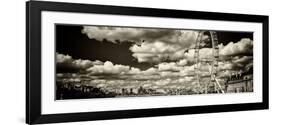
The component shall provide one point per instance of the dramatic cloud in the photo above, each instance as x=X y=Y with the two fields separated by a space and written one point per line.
x=113 y=33
x=61 y=58
x=125 y=34
x=244 y=46
x=117 y=75
x=157 y=51
x=183 y=64
x=160 y=45
x=243 y=59
x=160 y=51
x=108 y=68
x=151 y=45
x=68 y=64
x=168 y=67
x=172 y=75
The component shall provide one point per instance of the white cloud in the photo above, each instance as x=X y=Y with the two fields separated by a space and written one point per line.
x=162 y=82
x=66 y=61
x=83 y=64
x=156 y=44
x=138 y=34
x=61 y=58
x=134 y=70
x=168 y=66
x=161 y=50
x=157 y=51
x=150 y=71
x=244 y=46
x=243 y=59
x=182 y=62
x=225 y=66
x=59 y=75
x=185 y=79
x=159 y=45
x=234 y=65
x=112 y=33
x=108 y=68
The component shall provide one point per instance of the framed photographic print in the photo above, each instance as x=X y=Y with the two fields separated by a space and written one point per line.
x=95 y=62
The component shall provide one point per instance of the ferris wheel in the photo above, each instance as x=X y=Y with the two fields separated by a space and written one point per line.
x=206 y=68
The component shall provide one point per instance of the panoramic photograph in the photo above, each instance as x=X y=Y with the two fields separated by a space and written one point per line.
x=95 y=61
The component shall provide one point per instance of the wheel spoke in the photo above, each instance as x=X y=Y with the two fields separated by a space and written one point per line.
x=212 y=62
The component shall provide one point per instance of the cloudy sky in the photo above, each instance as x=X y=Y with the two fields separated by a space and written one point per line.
x=116 y=57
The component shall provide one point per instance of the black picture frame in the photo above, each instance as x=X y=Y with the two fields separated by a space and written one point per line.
x=33 y=61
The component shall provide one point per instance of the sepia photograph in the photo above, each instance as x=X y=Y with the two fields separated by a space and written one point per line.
x=96 y=61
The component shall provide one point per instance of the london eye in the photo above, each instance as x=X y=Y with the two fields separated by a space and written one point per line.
x=206 y=68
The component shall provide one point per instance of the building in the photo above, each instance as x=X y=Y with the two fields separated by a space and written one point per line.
x=240 y=82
